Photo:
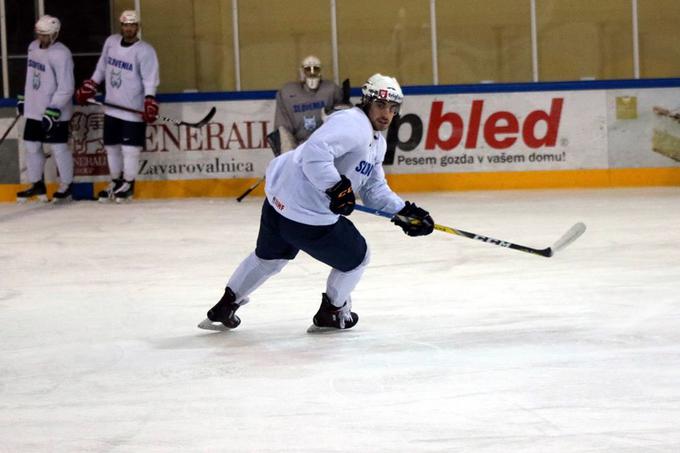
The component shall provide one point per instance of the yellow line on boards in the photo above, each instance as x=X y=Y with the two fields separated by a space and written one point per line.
x=559 y=179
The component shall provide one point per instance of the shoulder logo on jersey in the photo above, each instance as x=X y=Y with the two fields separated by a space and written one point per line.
x=310 y=123
x=364 y=168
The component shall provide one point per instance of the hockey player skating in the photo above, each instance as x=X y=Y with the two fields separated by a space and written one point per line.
x=309 y=193
x=299 y=105
x=129 y=68
x=46 y=105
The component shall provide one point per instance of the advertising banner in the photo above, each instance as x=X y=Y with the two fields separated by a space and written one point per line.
x=232 y=145
x=435 y=133
x=644 y=128
x=499 y=132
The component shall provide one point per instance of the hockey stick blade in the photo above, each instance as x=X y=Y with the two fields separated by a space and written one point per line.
x=570 y=236
x=198 y=125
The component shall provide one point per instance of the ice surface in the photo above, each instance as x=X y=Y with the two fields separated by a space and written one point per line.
x=461 y=346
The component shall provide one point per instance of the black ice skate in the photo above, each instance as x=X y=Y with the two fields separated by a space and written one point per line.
x=107 y=194
x=124 y=192
x=330 y=318
x=37 y=190
x=223 y=315
x=64 y=193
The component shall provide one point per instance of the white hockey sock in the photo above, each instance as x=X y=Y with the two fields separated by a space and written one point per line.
x=35 y=161
x=131 y=162
x=115 y=160
x=64 y=161
x=340 y=285
x=251 y=273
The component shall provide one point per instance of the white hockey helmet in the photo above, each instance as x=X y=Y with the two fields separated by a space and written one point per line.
x=381 y=87
x=310 y=72
x=129 y=16
x=48 y=25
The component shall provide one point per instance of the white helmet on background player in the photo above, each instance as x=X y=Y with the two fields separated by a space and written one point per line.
x=380 y=87
x=310 y=72
x=129 y=25
x=129 y=17
x=48 y=25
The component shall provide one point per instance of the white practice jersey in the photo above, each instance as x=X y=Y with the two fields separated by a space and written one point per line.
x=130 y=74
x=49 y=81
x=346 y=144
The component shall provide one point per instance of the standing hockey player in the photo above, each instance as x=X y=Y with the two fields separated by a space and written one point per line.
x=46 y=105
x=129 y=67
x=299 y=104
x=309 y=192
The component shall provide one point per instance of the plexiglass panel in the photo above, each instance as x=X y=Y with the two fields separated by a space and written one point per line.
x=659 y=38
x=188 y=37
x=387 y=36
x=486 y=40
x=478 y=40
x=276 y=35
x=584 y=39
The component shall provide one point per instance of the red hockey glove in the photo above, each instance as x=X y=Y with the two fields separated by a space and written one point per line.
x=413 y=220
x=86 y=91
x=342 y=197
x=150 y=109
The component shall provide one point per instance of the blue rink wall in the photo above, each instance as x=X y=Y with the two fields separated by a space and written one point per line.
x=459 y=137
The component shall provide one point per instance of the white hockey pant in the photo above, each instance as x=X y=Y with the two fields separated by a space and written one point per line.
x=64 y=161
x=251 y=274
x=123 y=159
x=340 y=285
x=35 y=161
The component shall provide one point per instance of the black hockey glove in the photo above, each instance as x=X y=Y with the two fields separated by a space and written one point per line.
x=342 y=197
x=49 y=118
x=413 y=220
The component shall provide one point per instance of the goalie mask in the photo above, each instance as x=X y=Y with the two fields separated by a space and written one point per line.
x=310 y=72
x=48 y=26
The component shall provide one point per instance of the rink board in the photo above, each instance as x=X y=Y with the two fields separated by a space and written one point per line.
x=640 y=177
x=499 y=136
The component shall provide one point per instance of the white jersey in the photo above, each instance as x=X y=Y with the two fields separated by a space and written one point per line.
x=346 y=144
x=49 y=81
x=130 y=73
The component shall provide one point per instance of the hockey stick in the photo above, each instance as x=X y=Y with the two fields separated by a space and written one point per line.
x=11 y=126
x=250 y=189
x=274 y=141
x=196 y=125
x=567 y=238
